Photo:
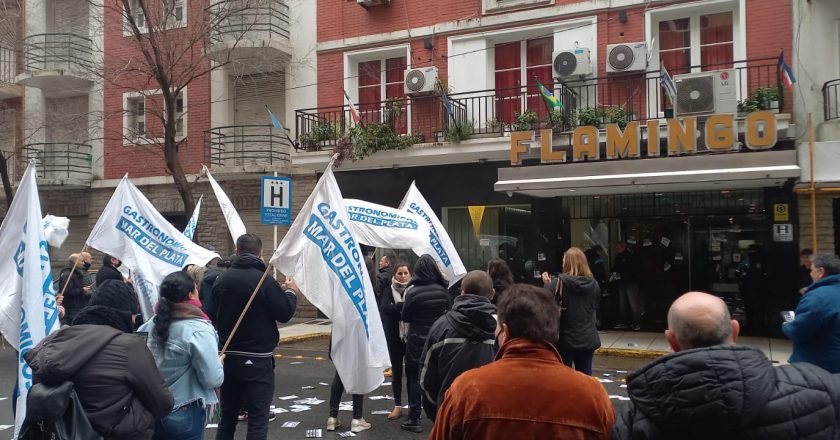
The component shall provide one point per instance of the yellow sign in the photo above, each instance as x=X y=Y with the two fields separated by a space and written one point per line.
x=781 y=212
x=476 y=214
x=719 y=133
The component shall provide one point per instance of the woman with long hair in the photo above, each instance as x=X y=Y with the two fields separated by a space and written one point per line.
x=390 y=309
x=578 y=294
x=502 y=277
x=185 y=347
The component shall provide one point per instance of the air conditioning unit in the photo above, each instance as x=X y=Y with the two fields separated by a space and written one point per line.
x=368 y=3
x=574 y=62
x=626 y=57
x=706 y=92
x=420 y=81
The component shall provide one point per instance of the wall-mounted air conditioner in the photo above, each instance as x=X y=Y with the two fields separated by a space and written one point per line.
x=626 y=57
x=368 y=3
x=570 y=63
x=420 y=81
x=706 y=93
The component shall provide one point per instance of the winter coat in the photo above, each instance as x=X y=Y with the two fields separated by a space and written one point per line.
x=462 y=339
x=577 y=322
x=205 y=291
x=425 y=301
x=815 y=330
x=108 y=272
x=75 y=298
x=114 y=374
x=383 y=285
x=527 y=393
x=390 y=312
x=189 y=360
x=629 y=266
x=729 y=392
x=257 y=334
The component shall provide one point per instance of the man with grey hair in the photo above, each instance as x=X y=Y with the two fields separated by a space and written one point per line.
x=815 y=329
x=711 y=388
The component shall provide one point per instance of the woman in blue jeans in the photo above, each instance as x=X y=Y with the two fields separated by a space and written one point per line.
x=184 y=345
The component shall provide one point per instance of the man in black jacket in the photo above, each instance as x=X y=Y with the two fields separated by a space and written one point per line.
x=77 y=293
x=249 y=362
x=385 y=275
x=109 y=271
x=710 y=388
x=626 y=273
x=460 y=340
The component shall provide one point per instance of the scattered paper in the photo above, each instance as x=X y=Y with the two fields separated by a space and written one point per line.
x=295 y=363
x=386 y=384
x=314 y=433
x=381 y=412
x=308 y=387
x=323 y=384
x=385 y=397
x=288 y=397
x=3 y=398
x=615 y=396
x=623 y=386
x=290 y=425
x=209 y=426
x=346 y=434
x=607 y=374
x=604 y=380
x=278 y=410
x=299 y=408
x=621 y=372
x=309 y=401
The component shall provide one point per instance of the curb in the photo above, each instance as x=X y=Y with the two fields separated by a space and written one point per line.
x=305 y=337
x=631 y=352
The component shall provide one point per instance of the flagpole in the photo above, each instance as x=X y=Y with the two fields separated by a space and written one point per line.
x=268 y=268
x=812 y=186
x=75 y=263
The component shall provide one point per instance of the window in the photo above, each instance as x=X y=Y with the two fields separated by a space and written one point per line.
x=136 y=126
x=381 y=80
x=704 y=40
x=179 y=115
x=138 y=129
x=522 y=63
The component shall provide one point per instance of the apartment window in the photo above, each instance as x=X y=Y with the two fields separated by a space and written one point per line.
x=380 y=80
x=705 y=40
x=136 y=109
x=175 y=13
x=522 y=63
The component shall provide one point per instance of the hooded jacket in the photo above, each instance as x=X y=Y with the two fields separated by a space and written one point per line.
x=114 y=375
x=815 y=330
x=729 y=392
x=462 y=339
x=426 y=300
x=577 y=321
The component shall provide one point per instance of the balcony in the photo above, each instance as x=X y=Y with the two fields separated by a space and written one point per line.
x=831 y=100
x=58 y=63
x=254 y=33
x=61 y=163
x=9 y=68
x=497 y=112
x=248 y=148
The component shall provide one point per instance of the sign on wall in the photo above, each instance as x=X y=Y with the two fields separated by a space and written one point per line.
x=781 y=212
x=783 y=232
x=276 y=196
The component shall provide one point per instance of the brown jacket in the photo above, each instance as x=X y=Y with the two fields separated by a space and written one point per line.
x=527 y=393
x=114 y=375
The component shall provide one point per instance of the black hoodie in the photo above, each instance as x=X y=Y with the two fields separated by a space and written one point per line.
x=462 y=339
x=577 y=323
x=729 y=392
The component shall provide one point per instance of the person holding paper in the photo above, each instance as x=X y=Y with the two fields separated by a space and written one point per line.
x=426 y=300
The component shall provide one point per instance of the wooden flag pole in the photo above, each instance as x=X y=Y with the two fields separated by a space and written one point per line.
x=75 y=264
x=245 y=310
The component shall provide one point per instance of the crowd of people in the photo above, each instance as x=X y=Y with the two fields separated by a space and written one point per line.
x=483 y=358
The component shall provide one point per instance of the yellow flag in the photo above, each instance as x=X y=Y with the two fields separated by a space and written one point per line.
x=476 y=214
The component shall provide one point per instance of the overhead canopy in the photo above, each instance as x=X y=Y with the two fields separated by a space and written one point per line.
x=683 y=173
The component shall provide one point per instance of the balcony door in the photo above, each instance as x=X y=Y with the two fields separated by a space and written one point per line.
x=381 y=93
x=704 y=40
x=517 y=64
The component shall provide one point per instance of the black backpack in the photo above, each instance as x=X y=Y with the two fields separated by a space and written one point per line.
x=55 y=413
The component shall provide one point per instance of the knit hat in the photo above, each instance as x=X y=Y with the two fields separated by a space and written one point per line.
x=117 y=295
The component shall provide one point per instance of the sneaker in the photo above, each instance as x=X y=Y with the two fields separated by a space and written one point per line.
x=636 y=327
x=621 y=327
x=359 y=425
x=388 y=373
x=395 y=414
x=412 y=425
x=332 y=424
x=243 y=416
x=272 y=417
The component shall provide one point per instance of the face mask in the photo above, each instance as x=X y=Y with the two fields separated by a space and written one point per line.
x=86 y=266
x=118 y=264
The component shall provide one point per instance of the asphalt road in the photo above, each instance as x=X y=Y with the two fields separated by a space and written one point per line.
x=305 y=364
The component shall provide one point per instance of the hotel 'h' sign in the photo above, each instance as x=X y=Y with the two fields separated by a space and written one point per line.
x=719 y=134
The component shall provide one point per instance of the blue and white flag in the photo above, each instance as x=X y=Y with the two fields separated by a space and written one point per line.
x=386 y=227
x=28 y=310
x=234 y=222
x=438 y=244
x=189 y=231
x=321 y=253
x=667 y=83
x=132 y=230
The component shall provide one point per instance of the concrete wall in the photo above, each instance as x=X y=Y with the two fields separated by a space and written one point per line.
x=816 y=56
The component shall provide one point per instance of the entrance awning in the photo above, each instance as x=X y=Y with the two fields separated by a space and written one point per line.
x=665 y=174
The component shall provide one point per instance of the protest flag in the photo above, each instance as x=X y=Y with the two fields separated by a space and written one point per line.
x=234 y=222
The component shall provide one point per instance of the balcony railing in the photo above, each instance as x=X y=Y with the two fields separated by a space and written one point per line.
x=831 y=99
x=244 y=145
x=250 y=20
x=9 y=65
x=614 y=98
x=61 y=160
x=58 y=51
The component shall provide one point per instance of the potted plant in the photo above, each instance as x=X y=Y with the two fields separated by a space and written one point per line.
x=590 y=116
x=456 y=133
x=320 y=133
x=525 y=121
x=616 y=115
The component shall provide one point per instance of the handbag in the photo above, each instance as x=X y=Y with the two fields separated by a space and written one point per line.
x=55 y=413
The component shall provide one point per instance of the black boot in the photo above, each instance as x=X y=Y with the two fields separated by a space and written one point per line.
x=412 y=425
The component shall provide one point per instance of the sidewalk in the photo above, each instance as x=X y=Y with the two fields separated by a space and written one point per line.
x=614 y=343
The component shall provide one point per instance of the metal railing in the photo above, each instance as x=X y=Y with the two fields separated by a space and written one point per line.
x=9 y=64
x=58 y=51
x=61 y=160
x=613 y=98
x=243 y=145
x=831 y=99
x=250 y=20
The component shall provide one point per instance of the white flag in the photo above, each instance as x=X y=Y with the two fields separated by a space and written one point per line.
x=438 y=244
x=189 y=231
x=27 y=300
x=322 y=255
x=133 y=231
x=386 y=227
x=55 y=229
x=234 y=222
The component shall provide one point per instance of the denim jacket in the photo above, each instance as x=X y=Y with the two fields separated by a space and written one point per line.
x=189 y=364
